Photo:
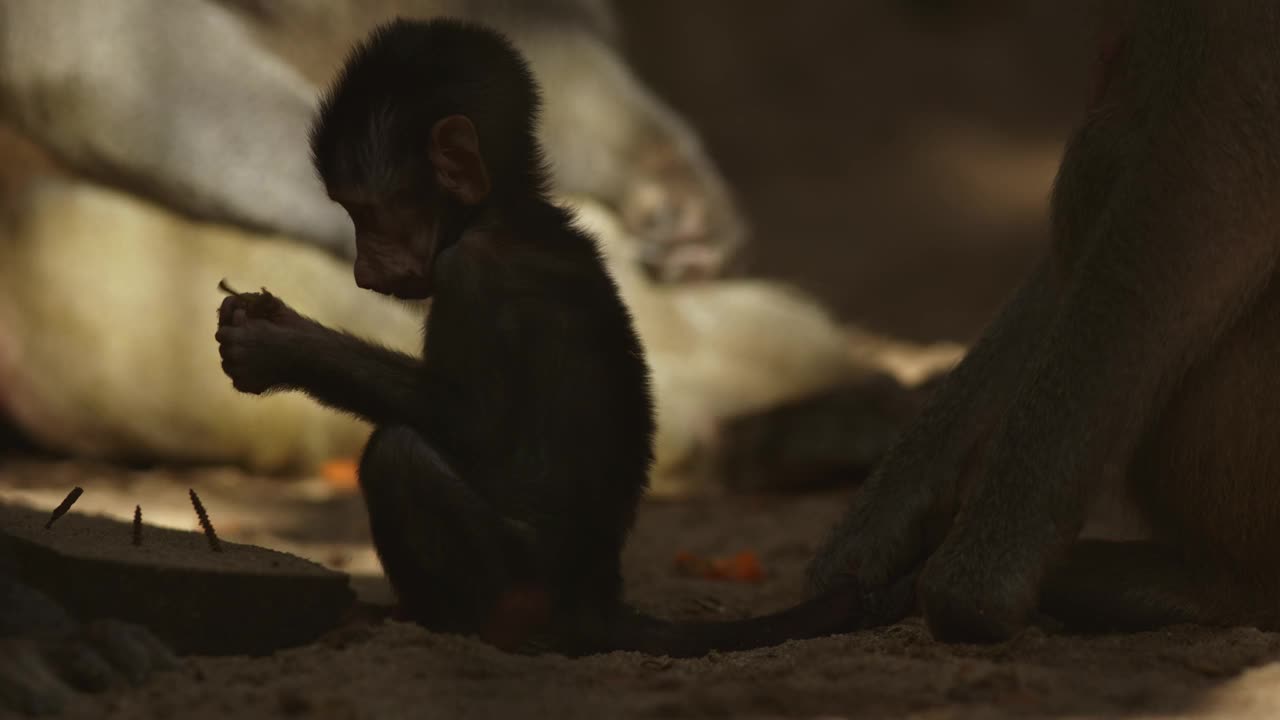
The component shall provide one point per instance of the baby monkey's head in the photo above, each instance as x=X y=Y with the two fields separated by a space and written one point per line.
x=427 y=122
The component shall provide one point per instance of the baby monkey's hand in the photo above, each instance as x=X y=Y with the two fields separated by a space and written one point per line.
x=251 y=330
x=257 y=306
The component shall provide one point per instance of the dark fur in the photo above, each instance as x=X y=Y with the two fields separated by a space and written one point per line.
x=507 y=465
x=409 y=74
x=1138 y=360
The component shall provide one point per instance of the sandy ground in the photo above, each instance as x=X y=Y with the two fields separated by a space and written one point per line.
x=395 y=670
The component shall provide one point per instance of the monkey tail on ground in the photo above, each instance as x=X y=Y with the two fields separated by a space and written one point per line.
x=838 y=610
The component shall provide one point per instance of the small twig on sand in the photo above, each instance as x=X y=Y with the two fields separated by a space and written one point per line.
x=214 y=544
x=62 y=509
x=137 y=525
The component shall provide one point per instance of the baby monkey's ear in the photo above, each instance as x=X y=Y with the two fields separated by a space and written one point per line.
x=455 y=155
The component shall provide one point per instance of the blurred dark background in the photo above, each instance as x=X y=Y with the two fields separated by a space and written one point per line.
x=894 y=156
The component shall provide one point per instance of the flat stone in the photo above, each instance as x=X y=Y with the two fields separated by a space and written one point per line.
x=243 y=600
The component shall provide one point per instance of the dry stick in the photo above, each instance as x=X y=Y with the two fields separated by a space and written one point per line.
x=137 y=525
x=224 y=287
x=214 y=544
x=62 y=509
x=255 y=304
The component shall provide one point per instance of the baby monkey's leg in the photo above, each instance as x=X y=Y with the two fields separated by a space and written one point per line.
x=453 y=560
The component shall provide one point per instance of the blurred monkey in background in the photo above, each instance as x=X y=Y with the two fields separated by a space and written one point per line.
x=199 y=106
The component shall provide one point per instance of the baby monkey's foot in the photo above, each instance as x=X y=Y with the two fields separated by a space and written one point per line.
x=520 y=614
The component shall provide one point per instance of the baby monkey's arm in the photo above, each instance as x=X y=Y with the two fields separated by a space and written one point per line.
x=265 y=346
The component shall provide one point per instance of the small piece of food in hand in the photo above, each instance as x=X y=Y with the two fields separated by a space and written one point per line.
x=261 y=303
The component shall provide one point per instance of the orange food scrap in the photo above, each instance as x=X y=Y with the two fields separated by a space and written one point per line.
x=744 y=567
x=340 y=474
